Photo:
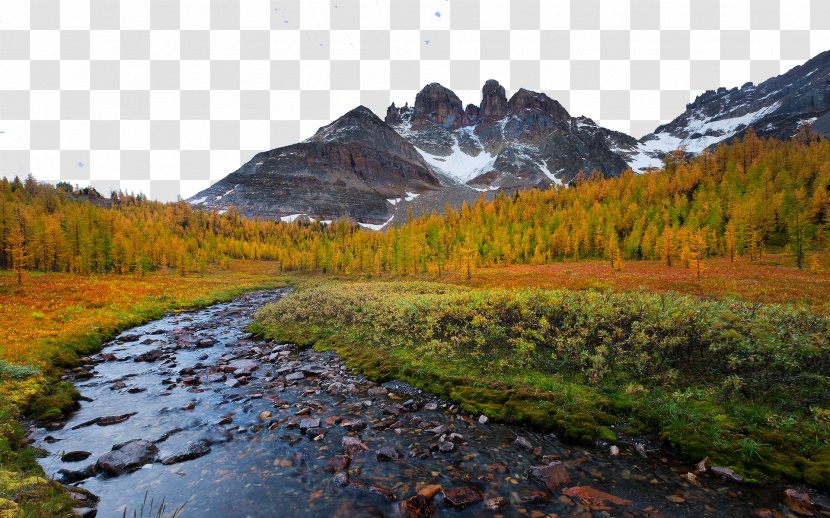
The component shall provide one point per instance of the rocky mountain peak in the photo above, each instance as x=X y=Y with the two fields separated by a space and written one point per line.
x=529 y=100
x=440 y=105
x=493 y=101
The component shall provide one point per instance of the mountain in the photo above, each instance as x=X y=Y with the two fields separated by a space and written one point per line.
x=348 y=169
x=438 y=151
x=529 y=140
x=776 y=108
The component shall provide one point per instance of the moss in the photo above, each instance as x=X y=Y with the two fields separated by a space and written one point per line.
x=56 y=401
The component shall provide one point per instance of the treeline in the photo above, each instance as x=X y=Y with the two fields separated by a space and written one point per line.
x=740 y=200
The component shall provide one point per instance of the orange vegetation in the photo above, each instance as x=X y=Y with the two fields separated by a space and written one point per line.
x=772 y=280
x=60 y=306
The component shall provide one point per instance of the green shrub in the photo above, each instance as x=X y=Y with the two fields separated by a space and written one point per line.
x=711 y=377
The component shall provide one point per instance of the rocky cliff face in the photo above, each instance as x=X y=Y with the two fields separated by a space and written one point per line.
x=529 y=140
x=347 y=169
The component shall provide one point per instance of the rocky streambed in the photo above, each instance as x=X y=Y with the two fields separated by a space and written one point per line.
x=193 y=410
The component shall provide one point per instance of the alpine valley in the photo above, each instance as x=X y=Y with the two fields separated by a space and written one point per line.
x=438 y=152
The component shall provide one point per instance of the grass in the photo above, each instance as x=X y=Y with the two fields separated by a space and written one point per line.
x=58 y=317
x=772 y=280
x=743 y=383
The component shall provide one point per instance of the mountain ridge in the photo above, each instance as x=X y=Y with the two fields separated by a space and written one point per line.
x=439 y=151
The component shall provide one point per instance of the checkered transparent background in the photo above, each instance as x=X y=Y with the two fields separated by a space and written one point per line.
x=166 y=96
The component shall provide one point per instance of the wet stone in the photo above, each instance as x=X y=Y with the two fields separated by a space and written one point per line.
x=553 y=475
x=498 y=503
x=306 y=424
x=127 y=457
x=534 y=497
x=194 y=451
x=354 y=425
x=150 y=356
x=417 y=506
x=75 y=456
x=387 y=453
x=726 y=474
x=339 y=463
x=353 y=445
x=522 y=443
x=461 y=497
x=446 y=446
x=69 y=476
x=295 y=376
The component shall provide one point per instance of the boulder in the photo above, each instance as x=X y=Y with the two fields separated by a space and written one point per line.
x=194 y=451
x=127 y=457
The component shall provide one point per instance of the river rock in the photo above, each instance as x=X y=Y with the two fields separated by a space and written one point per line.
x=595 y=499
x=295 y=376
x=522 y=443
x=338 y=463
x=150 y=356
x=387 y=453
x=114 y=419
x=205 y=342
x=127 y=457
x=461 y=497
x=307 y=424
x=446 y=446
x=417 y=506
x=439 y=430
x=363 y=486
x=243 y=366
x=726 y=474
x=353 y=425
x=75 y=456
x=353 y=444
x=553 y=475
x=70 y=476
x=378 y=391
x=640 y=448
x=194 y=451
x=83 y=498
x=214 y=377
x=312 y=369
x=535 y=497
x=498 y=503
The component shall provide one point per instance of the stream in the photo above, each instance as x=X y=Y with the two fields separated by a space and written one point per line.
x=194 y=410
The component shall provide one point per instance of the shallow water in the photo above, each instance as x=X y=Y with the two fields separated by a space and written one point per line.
x=261 y=465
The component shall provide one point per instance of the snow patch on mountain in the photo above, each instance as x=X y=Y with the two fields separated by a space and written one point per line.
x=373 y=226
x=701 y=132
x=458 y=164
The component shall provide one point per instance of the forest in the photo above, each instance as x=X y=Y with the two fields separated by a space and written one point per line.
x=740 y=200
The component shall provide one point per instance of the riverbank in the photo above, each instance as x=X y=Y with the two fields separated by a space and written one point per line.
x=222 y=423
x=57 y=318
x=743 y=384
